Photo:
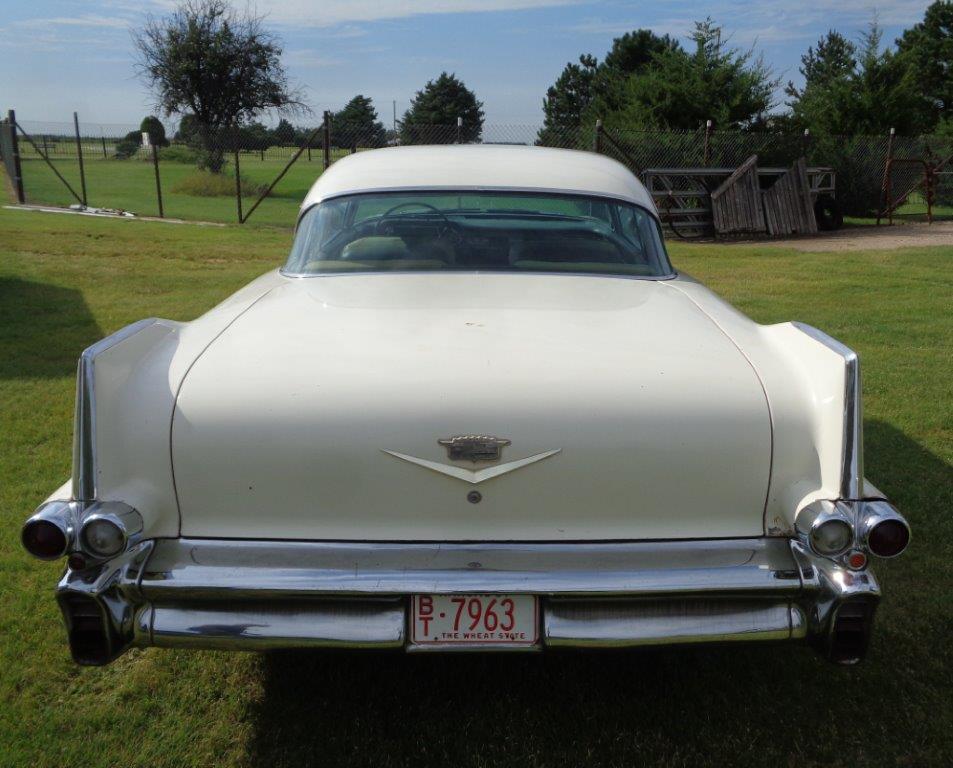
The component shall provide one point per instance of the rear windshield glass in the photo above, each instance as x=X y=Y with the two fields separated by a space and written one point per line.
x=486 y=231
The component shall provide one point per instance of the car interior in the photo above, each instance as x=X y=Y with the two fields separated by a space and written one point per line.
x=482 y=233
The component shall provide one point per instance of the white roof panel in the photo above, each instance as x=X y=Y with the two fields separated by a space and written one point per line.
x=479 y=166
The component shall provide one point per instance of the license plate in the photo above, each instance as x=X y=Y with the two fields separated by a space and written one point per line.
x=496 y=620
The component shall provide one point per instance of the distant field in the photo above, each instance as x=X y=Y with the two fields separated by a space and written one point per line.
x=130 y=184
x=67 y=281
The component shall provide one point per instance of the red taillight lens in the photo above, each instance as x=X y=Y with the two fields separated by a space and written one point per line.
x=888 y=538
x=44 y=539
x=856 y=560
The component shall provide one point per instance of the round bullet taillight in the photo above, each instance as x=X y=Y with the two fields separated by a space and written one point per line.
x=888 y=538
x=831 y=537
x=44 y=539
x=103 y=537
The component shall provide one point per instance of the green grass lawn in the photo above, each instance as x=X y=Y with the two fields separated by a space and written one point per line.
x=67 y=281
x=130 y=184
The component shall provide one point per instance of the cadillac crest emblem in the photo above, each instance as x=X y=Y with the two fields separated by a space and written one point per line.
x=474 y=448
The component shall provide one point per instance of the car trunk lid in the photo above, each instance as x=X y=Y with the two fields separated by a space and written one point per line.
x=371 y=407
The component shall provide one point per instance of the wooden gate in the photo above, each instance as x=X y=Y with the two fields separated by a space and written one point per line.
x=736 y=203
x=788 y=209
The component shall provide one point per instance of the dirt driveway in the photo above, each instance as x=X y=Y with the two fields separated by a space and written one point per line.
x=883 y=238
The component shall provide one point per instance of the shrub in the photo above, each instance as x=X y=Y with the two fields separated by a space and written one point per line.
x=206 y=184
x=129 y=145
x=179 y=153
x=156 y=130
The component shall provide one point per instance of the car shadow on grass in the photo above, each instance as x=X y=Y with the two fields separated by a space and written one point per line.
x=45 y=328
x=772 y=704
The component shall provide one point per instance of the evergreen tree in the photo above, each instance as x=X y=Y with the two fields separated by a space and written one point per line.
x=566 y=101
x=928 y=48
x=358 y=125
x=433 y=113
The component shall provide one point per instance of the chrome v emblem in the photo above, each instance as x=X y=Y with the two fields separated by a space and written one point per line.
x=470 y=475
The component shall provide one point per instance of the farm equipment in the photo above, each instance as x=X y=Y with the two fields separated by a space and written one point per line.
x=701 y=201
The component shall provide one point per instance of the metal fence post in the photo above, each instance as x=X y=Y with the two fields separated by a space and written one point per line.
x=459 y=128
x=155 y=165
x=597 y=139
x=79 y=154
x=885 y=185
x=706 y=152
x=238 y=183
x=104 y=146
x=327 y=140
x=806 y=139
x=15 y=151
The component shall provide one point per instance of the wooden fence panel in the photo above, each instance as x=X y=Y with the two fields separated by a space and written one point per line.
x=736 y=205
x=788 y=209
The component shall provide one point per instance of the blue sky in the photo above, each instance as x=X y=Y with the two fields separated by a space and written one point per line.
x=64 y=55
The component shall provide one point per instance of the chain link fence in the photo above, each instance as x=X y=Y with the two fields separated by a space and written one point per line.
x=254 y=173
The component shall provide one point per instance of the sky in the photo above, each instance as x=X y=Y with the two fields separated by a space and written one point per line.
x=61 y=56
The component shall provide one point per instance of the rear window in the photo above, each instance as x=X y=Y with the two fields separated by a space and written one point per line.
x=483 y=231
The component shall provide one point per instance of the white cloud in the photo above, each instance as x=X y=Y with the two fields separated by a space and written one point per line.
x=309 y=59
x=326 y=13
x=765 y=21
x=98 y=22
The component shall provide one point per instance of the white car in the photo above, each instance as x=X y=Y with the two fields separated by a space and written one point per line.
x=476 y=409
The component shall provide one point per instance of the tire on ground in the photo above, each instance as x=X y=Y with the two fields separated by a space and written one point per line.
x=828 y=213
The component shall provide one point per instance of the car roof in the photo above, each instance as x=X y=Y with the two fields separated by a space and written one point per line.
x=479 y=167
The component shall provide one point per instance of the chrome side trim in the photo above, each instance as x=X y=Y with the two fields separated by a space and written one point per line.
x=623 y=623
x=84 y=422
x=852 y=460
x=191 y=569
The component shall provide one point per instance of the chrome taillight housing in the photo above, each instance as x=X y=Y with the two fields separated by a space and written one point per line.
x=108 y=528
x=881 y=529
x=99 y=530
x=827 y=526
x=49 y=533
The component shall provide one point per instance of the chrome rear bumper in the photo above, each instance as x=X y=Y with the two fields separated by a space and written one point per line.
x=249 y=595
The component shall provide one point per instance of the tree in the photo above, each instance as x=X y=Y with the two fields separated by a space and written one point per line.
x=635 y=51
x=155 y=129
x=928 y=48
x=598 y=89
x=885 y=93
x=254 y=136
x=187 y=130
x=566 y=101
x=822 y=103
x=834 y=61
x=218 y=65
x=129 y=145
x=433 y=113
x=678 y=89
x=357 y=124
x=850 y=89
x=284 y=133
